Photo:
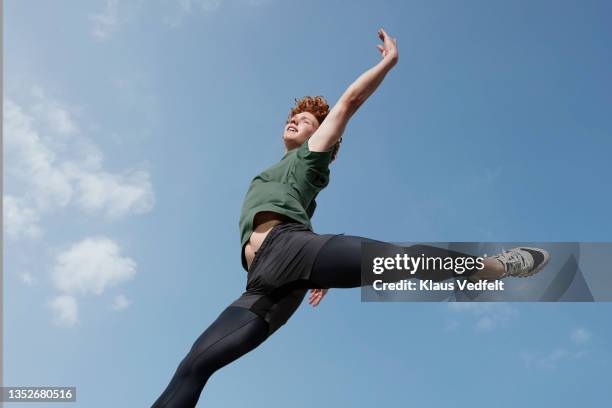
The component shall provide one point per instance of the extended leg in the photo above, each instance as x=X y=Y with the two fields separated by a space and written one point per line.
x=235 y=332
x=338 y=263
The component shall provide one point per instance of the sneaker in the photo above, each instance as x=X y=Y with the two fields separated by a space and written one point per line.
x=523 y=261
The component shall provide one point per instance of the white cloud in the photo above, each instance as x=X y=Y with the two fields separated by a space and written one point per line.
x=209 y=5
x=19 y=220
x=106 y=23
x=580 y=336
x=451 y=325
x=55 y=166
x=65 y=310
x=258 y=2
x=182 y=8
x=91 y=266
x=488 y=315
x=549 y=360
x=30 y=160
x=116 y=194
x=53 y=114
x=27 y=278
x=88 y=267
x=120 y=302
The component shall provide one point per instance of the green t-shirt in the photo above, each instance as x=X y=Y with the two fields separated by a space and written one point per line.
x=289 y=188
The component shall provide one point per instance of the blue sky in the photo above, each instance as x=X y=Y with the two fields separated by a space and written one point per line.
x=132 y=130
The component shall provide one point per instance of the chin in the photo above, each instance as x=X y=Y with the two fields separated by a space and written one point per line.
x=292 y=139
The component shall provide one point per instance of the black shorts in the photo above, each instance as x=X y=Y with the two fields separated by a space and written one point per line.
x=277 y=280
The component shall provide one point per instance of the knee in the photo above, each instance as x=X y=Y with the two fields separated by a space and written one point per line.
x=188 y=368
x=198 y=366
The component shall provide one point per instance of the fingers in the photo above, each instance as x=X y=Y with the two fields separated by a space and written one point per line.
x=318 y=298
x=315 y=297
x=382 y=34
x=388 y=49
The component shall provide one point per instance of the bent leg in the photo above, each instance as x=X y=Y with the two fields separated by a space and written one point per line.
x=338 y=262
x=233 y=334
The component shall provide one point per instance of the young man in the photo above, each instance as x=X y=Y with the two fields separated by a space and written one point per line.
x=284 y=258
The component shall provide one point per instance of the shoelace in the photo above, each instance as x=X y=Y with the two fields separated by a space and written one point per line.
x=514 y=261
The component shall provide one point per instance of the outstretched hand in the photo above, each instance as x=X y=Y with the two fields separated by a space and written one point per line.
x=316 y=295
x=388 y=49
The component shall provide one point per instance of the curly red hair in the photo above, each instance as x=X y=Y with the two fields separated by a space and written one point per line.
x=318 y=106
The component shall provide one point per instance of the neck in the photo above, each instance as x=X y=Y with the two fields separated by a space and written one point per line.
x=288 y=148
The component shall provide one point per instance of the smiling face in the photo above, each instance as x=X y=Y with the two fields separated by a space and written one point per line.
x=299 y=128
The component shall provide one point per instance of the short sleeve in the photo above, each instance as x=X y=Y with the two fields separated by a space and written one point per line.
x=313 y=167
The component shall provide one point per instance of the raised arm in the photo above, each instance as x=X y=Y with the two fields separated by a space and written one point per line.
x=330 y=131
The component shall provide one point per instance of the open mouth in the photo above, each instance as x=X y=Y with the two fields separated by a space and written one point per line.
x=292 y=129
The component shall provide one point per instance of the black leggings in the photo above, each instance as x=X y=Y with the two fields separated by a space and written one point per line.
x=238 y=331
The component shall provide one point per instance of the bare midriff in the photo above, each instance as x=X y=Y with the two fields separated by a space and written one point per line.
x=263 y=222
